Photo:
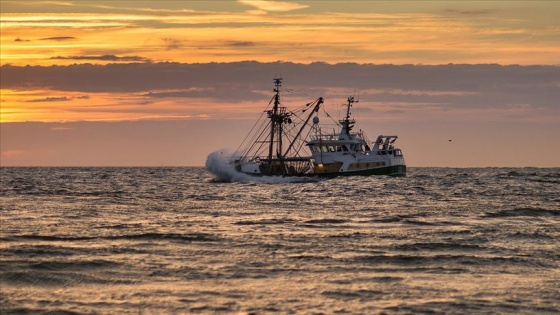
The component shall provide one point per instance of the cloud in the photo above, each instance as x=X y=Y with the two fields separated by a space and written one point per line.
x=57 y=99
x=192 y=92
x=172 y=43
x=273 y=6
x=59 y=38
x=232 y=94
x=60 y=128
x=356 y=32
x=242 y=44
x=450 y=87
x=103 y=57
x=50 y=99
x=470 y=12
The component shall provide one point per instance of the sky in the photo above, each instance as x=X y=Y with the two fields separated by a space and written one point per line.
x=165 y=83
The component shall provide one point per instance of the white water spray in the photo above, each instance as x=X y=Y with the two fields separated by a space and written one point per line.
x=218 y=163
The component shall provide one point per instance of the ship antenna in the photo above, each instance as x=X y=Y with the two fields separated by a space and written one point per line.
x=346 y=123
x=277 y=83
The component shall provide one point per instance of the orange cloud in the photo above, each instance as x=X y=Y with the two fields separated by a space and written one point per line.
x=273 y=6
x=368 y=36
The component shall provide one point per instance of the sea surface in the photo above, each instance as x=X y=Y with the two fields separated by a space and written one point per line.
x=183 y=241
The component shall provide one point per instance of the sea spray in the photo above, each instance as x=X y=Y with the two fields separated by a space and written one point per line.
x=218 y=163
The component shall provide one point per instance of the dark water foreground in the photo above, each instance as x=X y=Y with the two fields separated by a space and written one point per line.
x=173 y=241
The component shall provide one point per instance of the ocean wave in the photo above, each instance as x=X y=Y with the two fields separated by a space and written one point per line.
x=59 y=278
x=174 y=240
x=523 y=212
x=457 y=259
x=438 y=246
x=51 y=238
x=345 y=294
x=470 y=305
x=41 y=250
x=73 y=265
x=265 y=222
x=532 y=236
x=326 y=221
x=191 y=237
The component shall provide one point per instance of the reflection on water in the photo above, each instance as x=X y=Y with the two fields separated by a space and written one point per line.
x=174 y=240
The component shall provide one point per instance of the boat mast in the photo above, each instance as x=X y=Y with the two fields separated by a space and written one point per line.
x=348 y=124
x=274 y=116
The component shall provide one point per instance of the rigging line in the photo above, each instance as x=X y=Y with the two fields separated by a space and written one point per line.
x=300 y=109
x=304 y=107
x=297 y=147
x=257 y=139
x=297 y=117
x=291 y=137
x=294 y=92
x=302 y=143
x=251 y=131
x=327 y=114
x=247 y=136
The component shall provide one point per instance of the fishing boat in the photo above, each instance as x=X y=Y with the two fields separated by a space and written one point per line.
x=294 y=143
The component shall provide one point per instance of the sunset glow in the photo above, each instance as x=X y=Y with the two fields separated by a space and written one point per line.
x=60 y=59
x=494 y=32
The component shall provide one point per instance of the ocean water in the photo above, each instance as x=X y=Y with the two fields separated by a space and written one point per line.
x=178 y=241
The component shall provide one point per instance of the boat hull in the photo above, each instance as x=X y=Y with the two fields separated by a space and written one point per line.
x=394 y=170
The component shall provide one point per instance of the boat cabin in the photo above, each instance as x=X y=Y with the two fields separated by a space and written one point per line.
x=353 y=143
